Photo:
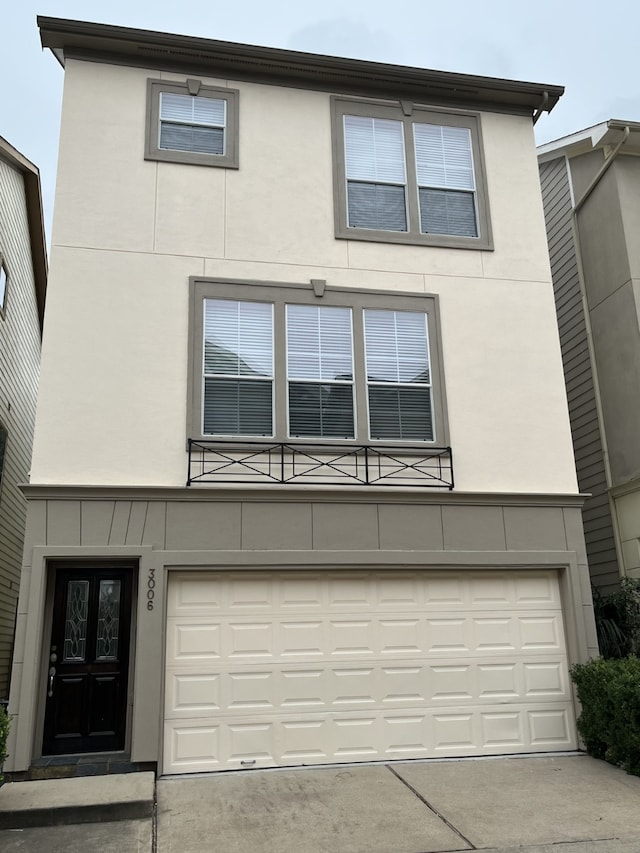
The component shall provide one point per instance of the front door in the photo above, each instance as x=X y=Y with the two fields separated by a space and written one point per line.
x=88 y=659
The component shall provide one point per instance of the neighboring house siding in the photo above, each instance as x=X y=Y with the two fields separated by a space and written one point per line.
x=587 y=442
x=19 y=360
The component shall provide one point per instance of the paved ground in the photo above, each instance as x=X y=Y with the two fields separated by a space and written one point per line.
x=495 y=805
x=565 y=804
x=124 y=836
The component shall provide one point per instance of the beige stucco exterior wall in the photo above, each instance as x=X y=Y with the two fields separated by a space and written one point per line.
x=128 y=234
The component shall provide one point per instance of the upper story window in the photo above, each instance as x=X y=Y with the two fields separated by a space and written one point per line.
x=192 y=123
x=280 y=363
x=4 y=280
x=409 y=175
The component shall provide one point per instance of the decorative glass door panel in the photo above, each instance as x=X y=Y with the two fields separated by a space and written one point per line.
x=88 y=659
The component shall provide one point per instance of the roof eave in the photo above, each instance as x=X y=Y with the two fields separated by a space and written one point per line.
x=65 y=37
x=35 y=219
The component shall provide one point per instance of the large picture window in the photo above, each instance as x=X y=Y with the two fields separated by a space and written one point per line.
x=279 y=362
x=409 y=174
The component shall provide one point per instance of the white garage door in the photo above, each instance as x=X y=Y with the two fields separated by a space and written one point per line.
x=280 y=669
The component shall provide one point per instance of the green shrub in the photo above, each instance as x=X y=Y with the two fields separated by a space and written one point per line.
x=618 y=620
x=609 y=692
x=4 y=734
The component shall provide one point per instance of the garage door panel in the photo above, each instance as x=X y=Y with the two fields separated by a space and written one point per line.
x=277 y=668
x=328 y=638
x=191 y=746
x=193 y=639
x=191 y=692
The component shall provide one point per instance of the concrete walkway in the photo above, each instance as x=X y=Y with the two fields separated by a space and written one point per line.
x=564 y=804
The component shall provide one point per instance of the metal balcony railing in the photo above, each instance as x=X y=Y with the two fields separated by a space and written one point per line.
x=319 y=464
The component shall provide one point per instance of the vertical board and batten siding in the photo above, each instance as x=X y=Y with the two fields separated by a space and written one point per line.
x=585 y=429
x=19 y=365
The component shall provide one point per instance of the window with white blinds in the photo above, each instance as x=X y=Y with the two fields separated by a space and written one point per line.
x=446 y=180
x=320 y=371
x=278 y=362
x=376 y=174
x=189 y=123
x=409 y=174
x=238 y=368
x=398 y=375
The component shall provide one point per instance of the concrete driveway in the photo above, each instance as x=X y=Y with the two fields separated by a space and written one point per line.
x=565 y=804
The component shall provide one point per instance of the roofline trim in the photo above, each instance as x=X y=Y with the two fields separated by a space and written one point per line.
x=60 y=34
x=35 y=218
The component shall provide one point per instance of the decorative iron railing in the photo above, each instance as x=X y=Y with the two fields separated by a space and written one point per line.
x=319 y=464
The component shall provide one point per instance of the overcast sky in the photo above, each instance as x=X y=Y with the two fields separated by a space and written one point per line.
x=588 y=46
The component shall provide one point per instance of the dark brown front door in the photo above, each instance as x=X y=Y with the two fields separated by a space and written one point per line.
x=88 y=660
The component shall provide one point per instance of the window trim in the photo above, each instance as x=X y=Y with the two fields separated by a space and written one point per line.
x=408 y=114
x=282 y=293
x=192 y=87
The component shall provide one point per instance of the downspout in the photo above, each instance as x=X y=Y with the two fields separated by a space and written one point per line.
x=587 y=321
x=602 y=170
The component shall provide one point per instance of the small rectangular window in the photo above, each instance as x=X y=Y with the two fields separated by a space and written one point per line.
x=195 y=124
x=192 y=123
x=238 y=368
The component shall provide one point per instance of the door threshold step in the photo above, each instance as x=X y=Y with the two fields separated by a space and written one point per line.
x=71 y=766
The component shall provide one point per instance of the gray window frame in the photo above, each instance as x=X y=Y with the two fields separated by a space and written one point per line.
x=408 y=114
x=228 y=160
x=280 y=294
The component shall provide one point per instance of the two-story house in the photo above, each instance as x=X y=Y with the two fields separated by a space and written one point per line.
x=291 y=295
x=590 y=185
x=23 y=284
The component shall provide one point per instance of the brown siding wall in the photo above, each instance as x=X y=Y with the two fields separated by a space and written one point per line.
x=587 y=442
x=19 y=365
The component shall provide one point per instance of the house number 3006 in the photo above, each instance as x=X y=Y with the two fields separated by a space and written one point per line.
x=151 y=588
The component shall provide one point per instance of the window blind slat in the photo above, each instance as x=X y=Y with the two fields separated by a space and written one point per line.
x=237 y=407
x=444 y=157
x=238 y=338
x=397 y=346
x=400 y=413
x=377 y=206
x=320 y=411
x=448 y=212
x=374 y=150
x=319 y=344
x=192 y=110
x=184 y=137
